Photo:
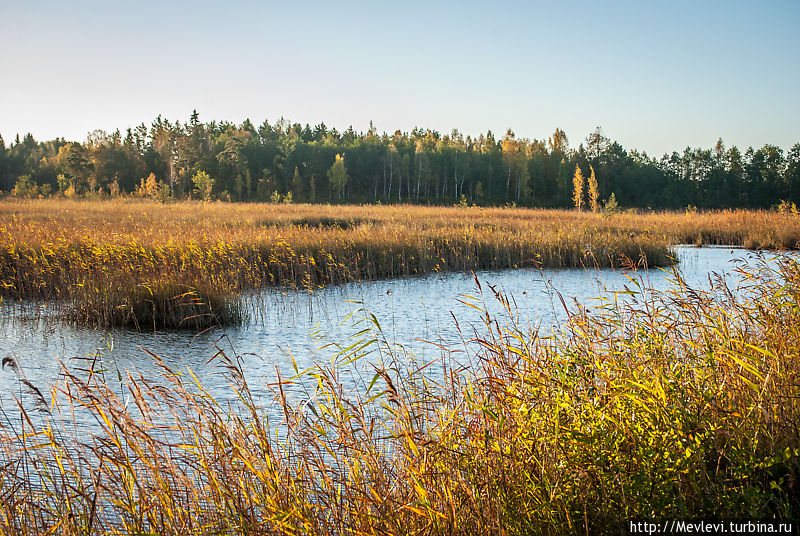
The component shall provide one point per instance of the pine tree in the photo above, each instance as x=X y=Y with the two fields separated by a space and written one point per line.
x=577 y=190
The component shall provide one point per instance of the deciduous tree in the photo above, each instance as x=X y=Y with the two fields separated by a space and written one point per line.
x=203 y=185
x=594 y=193
x=577 y=188
x=337 y=175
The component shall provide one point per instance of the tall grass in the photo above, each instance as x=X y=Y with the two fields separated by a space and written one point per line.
x=677 y=404
x=752 y=229
x=104 y=258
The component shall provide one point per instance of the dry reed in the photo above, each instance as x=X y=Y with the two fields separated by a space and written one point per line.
x=104 y=257
x=681 y=404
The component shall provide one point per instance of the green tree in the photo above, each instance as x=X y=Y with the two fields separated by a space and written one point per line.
x=480 y=195
x=203 y=185
x=611 y=206
x=793 y=173
x=337 y=175
x=510 y=149
x=63 y=182
x=73 y=163
x=25 y=187
x=596 y=144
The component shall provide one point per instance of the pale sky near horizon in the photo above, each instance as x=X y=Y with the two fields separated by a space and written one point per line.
x=655 y=77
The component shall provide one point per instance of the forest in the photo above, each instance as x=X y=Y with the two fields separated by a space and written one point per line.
x=288 y=162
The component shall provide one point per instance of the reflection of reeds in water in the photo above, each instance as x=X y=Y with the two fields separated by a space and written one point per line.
x=682 y=404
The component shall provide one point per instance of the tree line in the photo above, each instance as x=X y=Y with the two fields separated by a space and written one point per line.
x=288 y=162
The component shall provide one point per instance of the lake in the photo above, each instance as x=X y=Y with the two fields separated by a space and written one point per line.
x=290 y=328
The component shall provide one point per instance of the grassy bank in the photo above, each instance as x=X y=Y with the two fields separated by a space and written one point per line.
x=677 y=405
x=102 y=257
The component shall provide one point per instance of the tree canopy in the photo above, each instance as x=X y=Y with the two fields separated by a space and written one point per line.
x=290 y=161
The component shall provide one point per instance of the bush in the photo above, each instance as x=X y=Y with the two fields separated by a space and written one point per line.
x=25 y=187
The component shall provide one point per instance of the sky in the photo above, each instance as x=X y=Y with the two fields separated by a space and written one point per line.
x=656 y=76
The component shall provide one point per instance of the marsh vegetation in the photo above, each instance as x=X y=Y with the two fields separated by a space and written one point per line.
x=681 y=403
x=183 y=265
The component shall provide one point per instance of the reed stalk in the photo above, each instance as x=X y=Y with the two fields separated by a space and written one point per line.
x=681 y=404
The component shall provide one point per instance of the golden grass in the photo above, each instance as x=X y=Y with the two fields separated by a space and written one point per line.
x=149 y=223
x=683 y=404
x=751 y=229
x=105 y=257
x=98 y=254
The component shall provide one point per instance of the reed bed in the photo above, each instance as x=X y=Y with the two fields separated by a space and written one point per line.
x=682 y=404
x=183 y=265
x=103 y=259
x=751 y=229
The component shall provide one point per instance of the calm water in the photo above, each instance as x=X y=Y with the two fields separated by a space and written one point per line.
x=413 y=313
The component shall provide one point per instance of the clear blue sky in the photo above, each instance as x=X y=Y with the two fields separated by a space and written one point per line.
x=655 y=76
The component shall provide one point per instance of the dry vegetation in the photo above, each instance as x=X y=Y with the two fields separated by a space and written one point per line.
x=682 y=405
x=151 y=264
x=751 y=229
x=148 y=264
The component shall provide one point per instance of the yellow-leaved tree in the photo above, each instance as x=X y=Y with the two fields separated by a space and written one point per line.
x=148 y=188
x=577 y=188
x=594 y=193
